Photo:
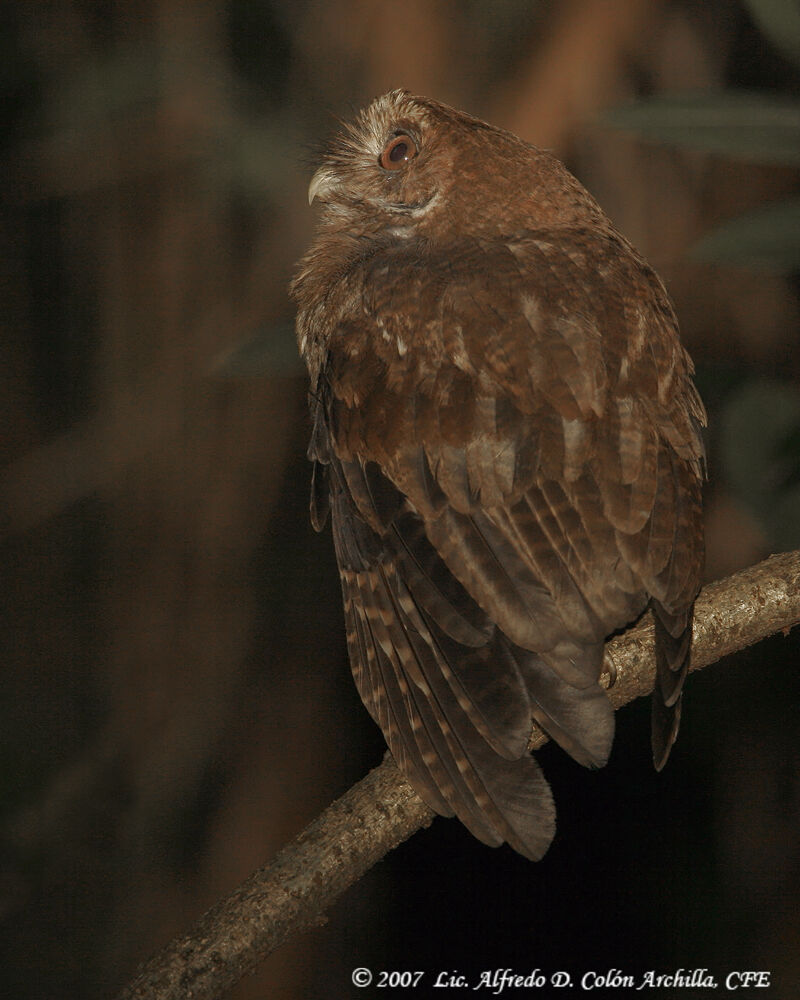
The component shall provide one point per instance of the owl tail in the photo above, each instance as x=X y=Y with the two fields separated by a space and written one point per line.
x=673 y=646
x=446 y=734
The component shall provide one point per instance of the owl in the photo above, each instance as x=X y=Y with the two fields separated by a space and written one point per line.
x=508 y=441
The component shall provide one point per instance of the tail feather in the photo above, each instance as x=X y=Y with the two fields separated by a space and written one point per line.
x=673 y=647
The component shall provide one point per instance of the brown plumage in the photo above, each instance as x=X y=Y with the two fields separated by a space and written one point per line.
x=508 y=439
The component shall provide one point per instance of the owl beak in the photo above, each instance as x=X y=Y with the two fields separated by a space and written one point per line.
x=322 y=183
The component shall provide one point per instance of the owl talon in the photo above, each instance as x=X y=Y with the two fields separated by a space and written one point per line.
x=609 y=670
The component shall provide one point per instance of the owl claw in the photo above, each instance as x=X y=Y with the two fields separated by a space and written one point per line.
x=609 y=670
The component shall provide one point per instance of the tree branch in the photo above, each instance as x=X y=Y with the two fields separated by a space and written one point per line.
x=383 y=810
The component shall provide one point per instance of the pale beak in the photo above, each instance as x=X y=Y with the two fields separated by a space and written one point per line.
x=322 y=183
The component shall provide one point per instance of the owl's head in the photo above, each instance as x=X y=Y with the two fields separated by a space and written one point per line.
x=408 y=165
x=393 y=161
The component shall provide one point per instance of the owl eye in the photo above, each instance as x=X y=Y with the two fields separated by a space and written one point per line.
x=398 y=151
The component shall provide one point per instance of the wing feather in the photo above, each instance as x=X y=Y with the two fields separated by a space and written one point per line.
x=455 y=723
x=515 y=470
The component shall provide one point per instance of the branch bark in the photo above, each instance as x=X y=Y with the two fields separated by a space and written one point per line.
x=382 y=810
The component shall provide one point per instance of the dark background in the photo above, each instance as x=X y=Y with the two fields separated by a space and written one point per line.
x=177 y=702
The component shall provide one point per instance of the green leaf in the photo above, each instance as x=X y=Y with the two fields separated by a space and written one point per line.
x=745 y=124
x=759 y=454
x=767 y=237
x=779 y=20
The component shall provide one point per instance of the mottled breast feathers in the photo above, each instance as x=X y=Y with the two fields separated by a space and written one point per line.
x=508 y=438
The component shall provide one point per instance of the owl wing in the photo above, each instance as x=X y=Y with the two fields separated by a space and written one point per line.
x=513 y=458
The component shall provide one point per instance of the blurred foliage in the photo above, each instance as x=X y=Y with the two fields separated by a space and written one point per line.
x=767 y=238
x=780 y=22
x=759 y=442
x=760 y=126
x=106 y=87
x=759 y=452
x=747 y=124
x=272 y=351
